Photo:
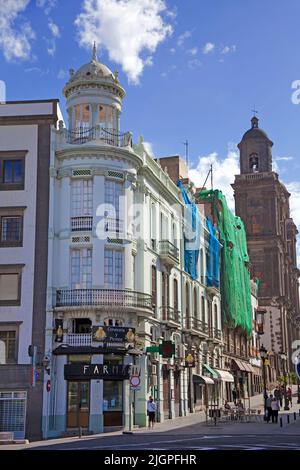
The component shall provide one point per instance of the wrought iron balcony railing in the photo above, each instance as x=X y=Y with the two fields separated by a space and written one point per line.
x=102 y=298
x=79 y=224
x=109 y=136
x=170 y=314
x=167 y=249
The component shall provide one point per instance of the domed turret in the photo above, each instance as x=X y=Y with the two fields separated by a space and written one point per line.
x=94 y=96
x=255 y=150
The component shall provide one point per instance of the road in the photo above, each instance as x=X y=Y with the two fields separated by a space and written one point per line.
x=198 y=436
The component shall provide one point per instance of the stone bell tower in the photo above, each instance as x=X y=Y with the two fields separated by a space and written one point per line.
x=262 y=201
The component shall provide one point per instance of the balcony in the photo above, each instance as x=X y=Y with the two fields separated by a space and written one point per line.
x=197 y=325
x=81 y=224
x=77 y=339
x=114 y=226
x=108 y=136
x=168 y=252
x=170 y=315
x=102 y=298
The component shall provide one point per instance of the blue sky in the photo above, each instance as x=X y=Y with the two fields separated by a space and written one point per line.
x=192 y=69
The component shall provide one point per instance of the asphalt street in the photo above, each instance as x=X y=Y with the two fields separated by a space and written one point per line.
x=198 y=436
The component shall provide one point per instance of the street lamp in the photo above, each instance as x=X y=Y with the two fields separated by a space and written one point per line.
x=264 y=355
x=286 y=403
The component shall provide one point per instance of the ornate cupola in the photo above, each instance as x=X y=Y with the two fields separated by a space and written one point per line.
x=94 y=97
x=255 y=150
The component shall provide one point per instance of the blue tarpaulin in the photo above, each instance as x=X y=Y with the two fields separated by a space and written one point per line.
x=191 y=234
x=212 y=257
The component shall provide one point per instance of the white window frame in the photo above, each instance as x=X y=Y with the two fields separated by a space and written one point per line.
x=113 y=269
x=82 y=262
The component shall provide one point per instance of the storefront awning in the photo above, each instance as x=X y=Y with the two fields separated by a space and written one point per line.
x=249 y=367
x=225 y=376
x=202 y=379
x=240 y=365
x=211 y=371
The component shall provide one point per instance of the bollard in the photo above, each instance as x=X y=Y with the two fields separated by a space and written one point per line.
x=80 y=432
x=295 y=416
x=280 y=421
x=288 y=418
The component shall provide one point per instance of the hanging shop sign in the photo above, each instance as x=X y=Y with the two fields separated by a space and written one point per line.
x=114 y=335
x=96 y=371
x=190 y=359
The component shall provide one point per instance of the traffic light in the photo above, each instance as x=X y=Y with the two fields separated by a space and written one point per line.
x=167 y=349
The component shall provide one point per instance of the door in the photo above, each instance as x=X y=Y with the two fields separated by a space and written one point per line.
x=166 y=393
x=78 y=404
x=177 y=392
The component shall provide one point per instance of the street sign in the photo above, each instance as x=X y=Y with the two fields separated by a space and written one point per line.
x=135 y=383
x=167 y=349
x=152 y=349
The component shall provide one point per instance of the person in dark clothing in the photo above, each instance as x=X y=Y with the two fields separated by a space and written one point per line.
x=234 y=395
x=269 y=407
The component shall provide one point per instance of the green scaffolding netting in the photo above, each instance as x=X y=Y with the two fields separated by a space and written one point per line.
x=235 y=276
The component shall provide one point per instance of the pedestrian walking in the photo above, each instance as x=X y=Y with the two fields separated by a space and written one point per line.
x=289 y=395
x=151 y=411
x=269 y=407
x=234 y=395
x=275 y=409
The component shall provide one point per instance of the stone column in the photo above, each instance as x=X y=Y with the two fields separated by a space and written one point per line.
x=96 y=421
x=141 y=396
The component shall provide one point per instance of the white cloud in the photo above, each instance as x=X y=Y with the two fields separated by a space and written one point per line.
x=149 y=148
x=54 y=29
x=223 y=172
x=38 y=70
x=294 y=189
x=227 y=49
x=192 y=51
x=126 y=29
x=208 y=47
x=15 y=40
x=173 y=50
x=194 y=63
x=183 y=37
x=63 y=74
x=286 y=159
x=46 y=5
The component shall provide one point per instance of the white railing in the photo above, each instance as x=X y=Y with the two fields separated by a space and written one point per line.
x=114 y=225
x=78 y=339
x=83 y=223
x=102 y=297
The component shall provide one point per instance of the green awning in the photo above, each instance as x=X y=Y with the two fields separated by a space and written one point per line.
x=211 y=371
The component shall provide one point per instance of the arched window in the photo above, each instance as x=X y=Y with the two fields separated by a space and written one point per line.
x=253 y=162
x=216 y=316
x=175 y=287
x=202 y=273
x=154 y=286
x=187 y=305
x=195 y=303
x=203 y=310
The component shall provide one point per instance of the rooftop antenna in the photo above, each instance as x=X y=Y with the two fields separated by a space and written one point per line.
x=186 y=144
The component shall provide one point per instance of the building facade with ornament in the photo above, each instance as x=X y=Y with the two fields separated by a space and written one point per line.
x=116 y=280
